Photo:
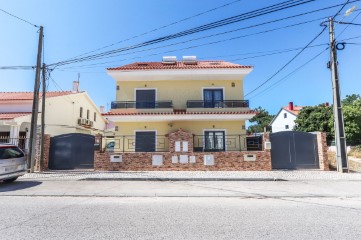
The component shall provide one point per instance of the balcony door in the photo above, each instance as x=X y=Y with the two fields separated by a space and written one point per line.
x=145 y=98
x=214 y=141
x=212 y=97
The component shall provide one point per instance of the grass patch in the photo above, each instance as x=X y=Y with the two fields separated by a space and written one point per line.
x=355 y=152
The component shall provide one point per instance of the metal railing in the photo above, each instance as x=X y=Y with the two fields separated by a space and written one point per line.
x=226 y=143
x=131 y=143
x=21 y=142
x=141 y=105
x=217 y=104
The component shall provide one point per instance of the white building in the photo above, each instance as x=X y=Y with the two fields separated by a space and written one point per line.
x=65 y=112
x=285 y=118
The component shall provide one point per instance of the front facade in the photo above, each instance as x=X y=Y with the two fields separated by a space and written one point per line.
x=204 y=98
x=285 y=118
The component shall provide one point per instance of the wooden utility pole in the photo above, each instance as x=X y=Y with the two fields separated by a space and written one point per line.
x=340 y=138
x=35 y=109
x=42 y=118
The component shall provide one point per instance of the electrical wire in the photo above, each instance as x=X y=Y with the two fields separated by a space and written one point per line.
x=19 y=18
x=227 y=21
x=288 y=75
x=162 y=27
x=17 y=67
x=299 y=53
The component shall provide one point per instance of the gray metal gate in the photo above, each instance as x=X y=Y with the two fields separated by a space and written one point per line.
x=294 y=150
x=71 y=151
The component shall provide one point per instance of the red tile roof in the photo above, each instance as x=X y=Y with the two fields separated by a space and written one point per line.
x=7 y=116
x=173 y=113
x=16 y=96
x=179 y=65
x=296 y=109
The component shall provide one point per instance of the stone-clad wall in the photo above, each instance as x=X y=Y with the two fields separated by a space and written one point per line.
x=191 y=161
x=322 y=151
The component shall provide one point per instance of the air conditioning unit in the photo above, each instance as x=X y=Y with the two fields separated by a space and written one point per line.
x=81 y=121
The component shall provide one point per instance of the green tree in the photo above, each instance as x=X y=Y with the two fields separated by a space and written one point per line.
x=260 y=121
x=352 y=118
x=314 y=119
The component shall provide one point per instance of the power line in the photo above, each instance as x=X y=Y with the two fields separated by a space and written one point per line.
x=162 y=27
x=17 y=67
x=19 y=18
x=194 y=46
x=227 y=21
x=299 y=53
x=288 y=75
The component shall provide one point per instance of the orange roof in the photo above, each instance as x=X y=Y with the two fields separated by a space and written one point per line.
x=16 y=96
x=296 y=109
x=173 y=113
x=179 y=65
x=7 y=116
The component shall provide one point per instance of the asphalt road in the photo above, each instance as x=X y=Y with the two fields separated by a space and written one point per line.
x=181 y=210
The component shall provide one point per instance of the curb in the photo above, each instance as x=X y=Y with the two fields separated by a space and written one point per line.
x=184 y=179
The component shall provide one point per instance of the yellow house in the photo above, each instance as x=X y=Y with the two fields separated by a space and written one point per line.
x=204 y=98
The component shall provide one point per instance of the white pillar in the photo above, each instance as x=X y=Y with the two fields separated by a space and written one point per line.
x=14 y=134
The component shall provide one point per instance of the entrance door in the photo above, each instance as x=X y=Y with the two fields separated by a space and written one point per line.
x=212 y=97
x=145 y=98
x=214 y=141
x=145 y=141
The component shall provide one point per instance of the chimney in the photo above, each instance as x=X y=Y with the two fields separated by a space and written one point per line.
x=75 y=86
x=101 y=109
x=327 y=104
x=290 y=106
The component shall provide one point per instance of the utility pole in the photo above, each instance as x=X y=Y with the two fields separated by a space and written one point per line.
x=42 y=118
x=340 y=139
x=35 y=109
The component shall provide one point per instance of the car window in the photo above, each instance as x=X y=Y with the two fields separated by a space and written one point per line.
x=10 y=152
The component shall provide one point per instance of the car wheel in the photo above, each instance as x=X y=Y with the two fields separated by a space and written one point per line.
x=10 y=180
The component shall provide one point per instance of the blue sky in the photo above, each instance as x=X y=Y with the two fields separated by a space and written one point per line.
x=75 y=27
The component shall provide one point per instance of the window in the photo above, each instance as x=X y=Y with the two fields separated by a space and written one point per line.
x=118 y=88
x=87 y=114
x=81 y=112
x=213 y=98
x=95 y=117
x=214 y=141
x=285 y=115
x=287 y=127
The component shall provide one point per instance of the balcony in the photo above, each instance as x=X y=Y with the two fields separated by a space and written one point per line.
x=141 y=105
x=218 y=104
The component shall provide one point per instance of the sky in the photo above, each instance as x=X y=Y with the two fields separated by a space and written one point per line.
x=72 y=28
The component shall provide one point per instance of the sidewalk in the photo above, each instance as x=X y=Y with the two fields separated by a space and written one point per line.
x=296 y=175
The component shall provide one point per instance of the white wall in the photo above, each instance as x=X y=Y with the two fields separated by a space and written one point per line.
x=279 y=123
x=62 y=114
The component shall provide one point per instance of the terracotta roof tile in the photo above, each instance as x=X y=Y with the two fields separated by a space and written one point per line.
x=12 y=96
x=179 y=65
x=173 y=113
x=8 y=116
x=296 y=109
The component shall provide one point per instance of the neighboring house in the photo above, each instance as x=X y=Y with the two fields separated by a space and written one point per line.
x=285 y=118
x=204 y=98
x=65 y=112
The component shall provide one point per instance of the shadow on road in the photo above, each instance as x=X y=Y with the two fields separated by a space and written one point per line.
x=17 y=185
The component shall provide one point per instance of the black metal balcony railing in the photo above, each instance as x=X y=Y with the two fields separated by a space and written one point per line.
x=226 y=143
x=217 y=104
x=141 y=105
